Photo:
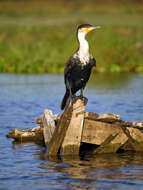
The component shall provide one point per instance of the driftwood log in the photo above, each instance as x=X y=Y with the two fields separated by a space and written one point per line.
x=65 y=133
x=30 y=135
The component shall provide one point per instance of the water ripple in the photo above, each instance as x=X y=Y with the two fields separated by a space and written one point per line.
x=24 y=166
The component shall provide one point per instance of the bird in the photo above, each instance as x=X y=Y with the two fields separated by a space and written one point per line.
x=78 y=67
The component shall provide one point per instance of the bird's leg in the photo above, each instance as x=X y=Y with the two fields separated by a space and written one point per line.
x=70 y=93
x=71 y=96
x=81 y=93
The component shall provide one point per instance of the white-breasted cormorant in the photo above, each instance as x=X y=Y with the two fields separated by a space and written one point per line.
x=79 y=65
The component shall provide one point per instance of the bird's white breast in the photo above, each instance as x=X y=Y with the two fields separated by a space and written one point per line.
x=83 y=52
x=84 y=58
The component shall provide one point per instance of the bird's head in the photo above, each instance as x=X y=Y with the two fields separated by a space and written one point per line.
x=84 y=29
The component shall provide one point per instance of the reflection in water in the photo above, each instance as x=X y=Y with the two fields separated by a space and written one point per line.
x=91 y=172
x=24 y=166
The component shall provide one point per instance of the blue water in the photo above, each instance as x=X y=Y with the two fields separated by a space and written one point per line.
x=24 y=166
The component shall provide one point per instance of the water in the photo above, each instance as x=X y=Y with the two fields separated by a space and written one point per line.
x=24 y=166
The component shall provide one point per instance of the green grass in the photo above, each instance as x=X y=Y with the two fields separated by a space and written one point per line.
x=36 y=40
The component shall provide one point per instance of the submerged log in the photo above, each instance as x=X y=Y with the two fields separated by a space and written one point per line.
x=66 y=132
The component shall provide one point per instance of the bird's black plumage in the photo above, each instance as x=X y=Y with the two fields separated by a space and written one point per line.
x=84 y=26
x=77 y=73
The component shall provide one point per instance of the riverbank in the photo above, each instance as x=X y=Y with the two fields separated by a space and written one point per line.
x=40 y=38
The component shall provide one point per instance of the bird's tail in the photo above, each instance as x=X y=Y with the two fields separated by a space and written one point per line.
x=64 y=101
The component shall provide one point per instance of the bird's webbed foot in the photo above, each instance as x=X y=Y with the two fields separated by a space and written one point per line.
x=81 y=96
x=72 y=97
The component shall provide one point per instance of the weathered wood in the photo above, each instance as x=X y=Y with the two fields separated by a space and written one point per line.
x=71 y=143
x=135 y=137
x=106 y=117
x=39 y=120
x=59 y=133
x=48 y=121
x=56 y=117
x=34 y=134
x=112 y=118
x=65 y=132
x=111 y=144
x=138 y=125
x=96 y=132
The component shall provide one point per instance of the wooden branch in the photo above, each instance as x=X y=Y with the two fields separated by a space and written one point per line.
x=34 y=134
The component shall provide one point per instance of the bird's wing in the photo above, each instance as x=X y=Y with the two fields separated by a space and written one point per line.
x=69 y=66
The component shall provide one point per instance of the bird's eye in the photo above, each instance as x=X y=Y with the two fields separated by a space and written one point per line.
x=83 y=30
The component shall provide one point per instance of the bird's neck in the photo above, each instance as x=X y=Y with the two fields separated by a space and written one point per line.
x=83 y=50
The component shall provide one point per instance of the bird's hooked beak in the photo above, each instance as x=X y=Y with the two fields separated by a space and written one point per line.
x=92 y=28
